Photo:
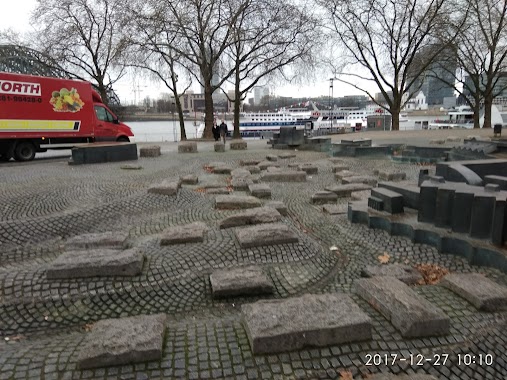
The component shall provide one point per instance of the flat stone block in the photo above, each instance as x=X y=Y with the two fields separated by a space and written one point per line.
x=409 y=312
x=293 y=165
x=278 y=206
x=224 y=169
x=165 y=188
x=287 y=155
x=219 y=147
x=187 y=147
x=335 y=209
x=131 y=167
x=339 y=176
x=390 y=376
x=236 y=202
x=339 y=168
x=249 y=162
x=218 y=190
x=346 y=190
x=392 y=176
x=114 y=342
x=241 y=173
x=256 y=215
x=110 y=239
x=481 y=220
x=253 y=169
x=292 y=176
x=322 y=197
x=265 y=234
x=273 y=169
x=241 y=184
x=214 y=164
x=367 y=179
x=188 y=233
x=233 y=282
x=238 y=145
x=97 y=153
x=336 y=161
x=149 y=151
x=437 y=141
x=263 y=165
x=271 y=157
x=404 y=273
x=392 y=201
x=96 y=262
x=308 y=321
x=190 y=179
x=260 y=190
x=376 y=203
x=477 y=289
x=308 y=168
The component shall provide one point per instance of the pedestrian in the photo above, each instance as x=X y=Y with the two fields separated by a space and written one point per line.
x=223 y=130
x=216 y=132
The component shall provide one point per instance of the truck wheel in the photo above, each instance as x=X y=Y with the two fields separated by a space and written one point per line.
x=123 y=139
x=24 y=151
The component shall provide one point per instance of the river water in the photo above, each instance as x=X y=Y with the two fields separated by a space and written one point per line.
x=160 y=131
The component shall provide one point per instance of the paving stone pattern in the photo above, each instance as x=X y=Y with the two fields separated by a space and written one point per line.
x=44 y=203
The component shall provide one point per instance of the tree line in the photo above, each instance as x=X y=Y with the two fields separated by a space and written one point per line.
x=245 y=43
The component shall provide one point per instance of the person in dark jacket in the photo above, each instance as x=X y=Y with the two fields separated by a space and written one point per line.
x=223 y=130
x=216 y=132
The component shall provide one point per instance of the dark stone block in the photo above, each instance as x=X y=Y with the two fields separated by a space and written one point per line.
x=404 y=273
x=498 y=180
x=410 y=193
x=483 y=208
x=393 y=202
x=380 y=223
x=423 y=176
x=427 y=202
x=498 y=227
x=462 y=211
x=376 y=203
x=458 y=247
x=444 y=206
x=427 y=237
x=97 y=153
x=401 y=229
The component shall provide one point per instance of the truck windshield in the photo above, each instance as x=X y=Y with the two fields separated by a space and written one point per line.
x=103 y=114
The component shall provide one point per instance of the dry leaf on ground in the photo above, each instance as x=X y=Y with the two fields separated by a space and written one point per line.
x=432 y=274
x=384 y=259
x=346 y=375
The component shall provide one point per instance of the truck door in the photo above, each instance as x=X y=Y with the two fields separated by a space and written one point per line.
x=106 y=129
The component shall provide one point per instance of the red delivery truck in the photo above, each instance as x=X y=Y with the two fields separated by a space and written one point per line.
x=41 y=113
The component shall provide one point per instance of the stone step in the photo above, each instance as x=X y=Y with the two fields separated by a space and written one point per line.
x=392 y=201
x=477 y=289
x=110 y=239
x=265 y=234
x=410 y=313
x=188 y=233
x=259 y=190
x=114 y=342
x=310 y=320
x=291 y=176
x=249 y=162
x=95 y=263
x=236 y=202
x=234 y=282
x=258 y=215
x=404 y=273
x=346 y=190
x=376 y=203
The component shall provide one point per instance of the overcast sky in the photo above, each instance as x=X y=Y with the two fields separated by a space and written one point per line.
x=15 y=14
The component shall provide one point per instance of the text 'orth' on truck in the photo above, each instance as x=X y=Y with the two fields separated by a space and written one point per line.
x=40 y=113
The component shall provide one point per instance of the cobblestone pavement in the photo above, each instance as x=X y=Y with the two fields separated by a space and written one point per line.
x=43 y=322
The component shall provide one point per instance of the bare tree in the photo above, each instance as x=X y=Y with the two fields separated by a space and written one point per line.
x=85 y=36
x=153 y=43
x=391 y=41
x=267 y=37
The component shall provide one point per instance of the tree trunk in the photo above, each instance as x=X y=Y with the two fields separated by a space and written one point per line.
x=208 y=109
x=183 y=133
x=395 y=119
x=103 y=93
x=488 y=102
x=476 y=107
x=237 y=104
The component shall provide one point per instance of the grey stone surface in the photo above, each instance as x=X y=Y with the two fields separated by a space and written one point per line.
x=263 y=165
x=273 y=169
x=322 y=197
x=190 y=179
x=477 y=289
x=238 y=144
x=271 y=157
x=286 y=155
x=481 y=221
x=392 y=201
x=444 y=205
x=409 y=312
x=218 y=191
x=149 y=151
x=222 y=169
x=404 y=273
x=310 y=320
x=187 y=147
x=339 y=168
x=249 y=162
x=253 y=169
x=236 y=202
x=427 y=202
x=375 y=203
x=241 y=173
x=214 y=164
x=241 y=183
x=234 y=282
x=219 y=146
x=260 y=190
x=165 y=188
x=492 y=188
x=123 y=341
x=367 y=179
x=131 y=167
x=256 y=215
x=96 y=262
x=462 y=211
x=392 y=176
x=188 y=233
x=109 y=239
x=308 y=168
x=265 y=234
x=339 y=176
x=278 y=206
x=414 y=376
x=346 y=190
x=282 y=176
x=334 y=209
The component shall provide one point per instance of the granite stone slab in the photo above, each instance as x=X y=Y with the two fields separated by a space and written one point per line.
x=188 y=233
x=259 y=190
x=283 y=176
x=410 y=313
x=278 y=206
x=334 y=209
x=187 y=147
x=271 y=157
x=165 y=188
x=236 y=202
x=241 y=183
x=241 y=173
x=310 y=320
x=218 y=190
x=225 y=169
x=149 y=151
x=404 y=273
x=265 y=234
x=392 y=176
x=121 y=341
x=308 y=168
x=109 y=239
x=263 y=165
x=339 y=168
x=343 y=174
x=285 y=156
x=344 y=191
x=367 y=179
x=322 y=197
x=249 y=162
x=477 y=289
x=413 y=376
x=96 y=263
x=233 y=282
x=256 y=215
x=190 y=179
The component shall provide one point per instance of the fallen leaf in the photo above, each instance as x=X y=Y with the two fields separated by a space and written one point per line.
x=200 y=190
x=345 y=375
x=16 y=338
x=88 y=327
x=384 y=259
x=432 y=274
